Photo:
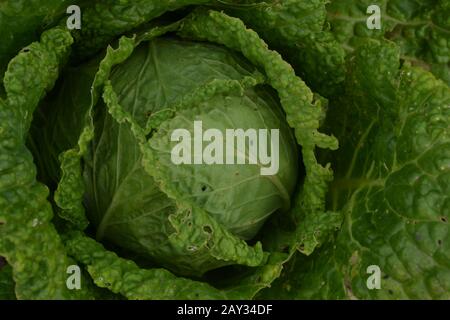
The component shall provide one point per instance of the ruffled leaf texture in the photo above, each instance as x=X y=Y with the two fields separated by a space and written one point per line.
x=28 y=239
x=420 y=28
x=392 y=178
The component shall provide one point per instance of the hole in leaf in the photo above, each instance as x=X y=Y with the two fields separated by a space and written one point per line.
x=439 y=242
x=207 y=229
x=444 y=219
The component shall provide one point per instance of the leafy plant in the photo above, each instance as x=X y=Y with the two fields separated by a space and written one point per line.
x=86 y=177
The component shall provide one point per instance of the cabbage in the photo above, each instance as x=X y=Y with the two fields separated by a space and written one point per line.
x=189 y=150
x=125 y=203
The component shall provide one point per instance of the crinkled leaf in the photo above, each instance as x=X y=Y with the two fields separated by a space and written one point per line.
x=71 y=190
x=297 y=29
x=393 y=173
x=39 y=271
x=420 y=28
x=22 y=21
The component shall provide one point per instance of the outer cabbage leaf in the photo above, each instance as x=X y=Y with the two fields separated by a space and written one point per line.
x=25 y=215
x=420 y=28
x=108 y=19
x=392 y=184
x=22 y=21
x=125 y=277
x=298 y=30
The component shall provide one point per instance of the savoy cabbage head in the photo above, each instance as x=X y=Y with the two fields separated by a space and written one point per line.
x=91 y=119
